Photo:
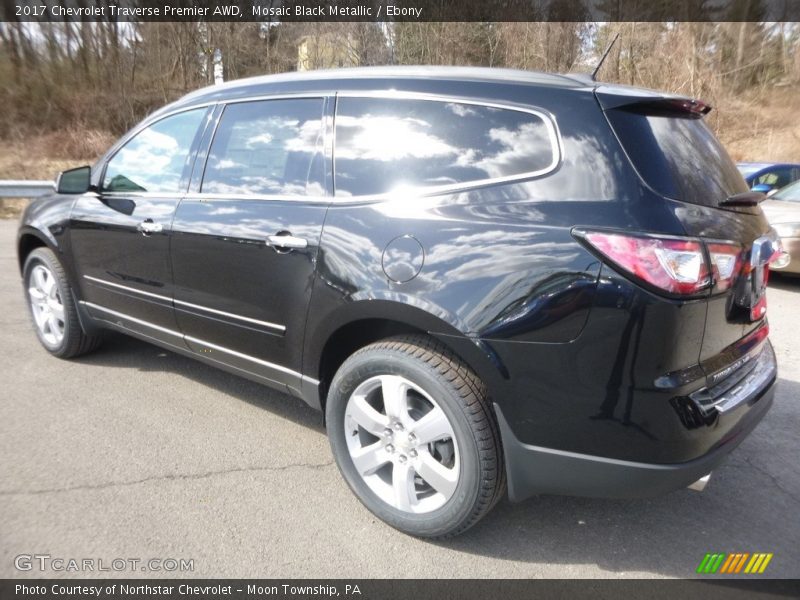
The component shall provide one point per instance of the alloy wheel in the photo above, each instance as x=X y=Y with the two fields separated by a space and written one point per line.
x=402 y=444
x=46 y=304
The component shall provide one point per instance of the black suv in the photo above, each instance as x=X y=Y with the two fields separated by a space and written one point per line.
x=489 y=280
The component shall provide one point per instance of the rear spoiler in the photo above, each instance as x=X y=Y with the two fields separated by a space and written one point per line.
x=743 y=199
x=649 y=103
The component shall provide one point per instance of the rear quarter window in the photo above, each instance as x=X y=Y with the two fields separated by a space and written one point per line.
x=383 y=144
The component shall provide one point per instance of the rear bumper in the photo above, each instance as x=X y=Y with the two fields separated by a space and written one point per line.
x=535 y=470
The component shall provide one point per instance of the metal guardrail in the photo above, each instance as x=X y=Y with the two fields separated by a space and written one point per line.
x=20 y=188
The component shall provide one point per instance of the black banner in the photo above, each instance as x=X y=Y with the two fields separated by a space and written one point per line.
x=399 y=10
x=405 y=589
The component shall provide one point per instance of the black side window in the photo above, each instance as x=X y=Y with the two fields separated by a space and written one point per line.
x=158 y=158
x=271 y=147
x=385 y=144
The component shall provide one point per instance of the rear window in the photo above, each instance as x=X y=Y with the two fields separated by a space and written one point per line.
x=385 y=144
x=679 y=157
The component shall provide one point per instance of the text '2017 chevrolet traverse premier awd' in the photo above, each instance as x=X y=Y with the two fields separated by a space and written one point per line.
x=488 y=280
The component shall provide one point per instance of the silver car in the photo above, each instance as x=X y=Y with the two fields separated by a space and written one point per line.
x=783 y=212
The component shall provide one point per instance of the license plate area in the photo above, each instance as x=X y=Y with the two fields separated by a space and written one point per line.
x=756 y=371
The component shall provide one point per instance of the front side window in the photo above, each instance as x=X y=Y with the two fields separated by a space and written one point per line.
x=156 y=159
x=383 y=144
x=271 y=147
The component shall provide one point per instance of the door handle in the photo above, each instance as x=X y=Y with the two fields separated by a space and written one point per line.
x=287 y=242
x=147 y=227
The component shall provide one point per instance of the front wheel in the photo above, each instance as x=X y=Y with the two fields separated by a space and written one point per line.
x=414 y=437
x=52 y=308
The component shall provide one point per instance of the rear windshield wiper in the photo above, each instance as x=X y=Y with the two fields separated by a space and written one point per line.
x=743 y=199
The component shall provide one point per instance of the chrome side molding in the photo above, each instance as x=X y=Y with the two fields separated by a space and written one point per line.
x=167 y=299
x=120 y=315
x=200 y=342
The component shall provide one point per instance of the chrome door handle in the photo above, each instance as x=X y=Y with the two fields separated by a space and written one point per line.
x=287 y=242
x=147 y=227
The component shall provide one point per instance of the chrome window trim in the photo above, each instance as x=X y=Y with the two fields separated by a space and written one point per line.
x=209 y=197
x=159 y=195
x=198 y=341
x=123 y=141
x=268 y=324
x=147 y=122
x=290 y=96
x=324 y=96
x=159 y=115
x=547 y=118
x=422 y=192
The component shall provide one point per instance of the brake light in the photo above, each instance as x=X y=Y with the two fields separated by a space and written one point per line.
x=674 y=265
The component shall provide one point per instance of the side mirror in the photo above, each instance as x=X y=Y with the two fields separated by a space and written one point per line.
x=74 y=181
x=761 y=187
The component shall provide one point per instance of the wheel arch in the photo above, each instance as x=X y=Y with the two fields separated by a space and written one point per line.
x=29 y=239
x=361 y=323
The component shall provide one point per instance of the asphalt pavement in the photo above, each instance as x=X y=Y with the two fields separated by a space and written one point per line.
x=136 y=453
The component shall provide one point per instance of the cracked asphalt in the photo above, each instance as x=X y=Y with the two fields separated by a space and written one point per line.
x=135 y=452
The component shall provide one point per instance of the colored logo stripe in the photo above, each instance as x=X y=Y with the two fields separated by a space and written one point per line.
x=710 y=563
x=758 y=563
x=734 y=563
x=727 y=564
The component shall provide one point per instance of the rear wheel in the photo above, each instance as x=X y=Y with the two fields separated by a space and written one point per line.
x=414 y=436
x=52 y=308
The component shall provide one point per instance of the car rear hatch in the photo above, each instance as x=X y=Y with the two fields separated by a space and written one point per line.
x=678 y=158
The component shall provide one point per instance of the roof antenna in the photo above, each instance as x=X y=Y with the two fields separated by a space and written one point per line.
x=605 y=55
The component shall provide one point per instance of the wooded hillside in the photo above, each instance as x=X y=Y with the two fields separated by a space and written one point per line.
x=69 y=89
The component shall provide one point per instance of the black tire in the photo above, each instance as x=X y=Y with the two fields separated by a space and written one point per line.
x=462 y=397
x=75 y=341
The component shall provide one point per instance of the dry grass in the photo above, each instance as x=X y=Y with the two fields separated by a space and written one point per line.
x=44 y=156
x=762 y=128
x=11 y=208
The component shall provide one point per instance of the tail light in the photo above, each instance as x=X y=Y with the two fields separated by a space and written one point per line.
x=675 y=265
x=726 y=262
